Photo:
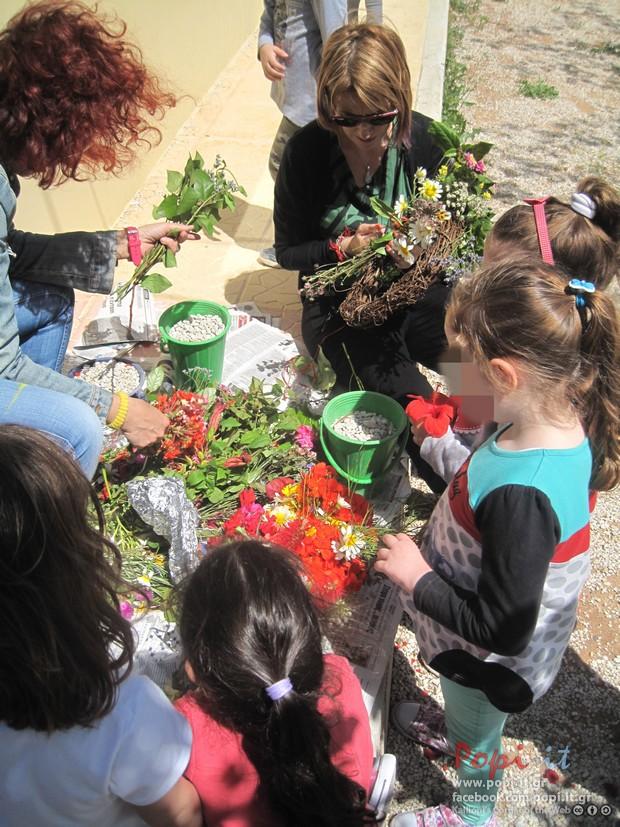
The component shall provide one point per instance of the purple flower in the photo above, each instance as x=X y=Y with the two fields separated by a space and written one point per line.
x=126 y=609
x=304 y=437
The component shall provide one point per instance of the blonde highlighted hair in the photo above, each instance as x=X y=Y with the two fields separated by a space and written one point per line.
x=522 y=310
x=369 y=63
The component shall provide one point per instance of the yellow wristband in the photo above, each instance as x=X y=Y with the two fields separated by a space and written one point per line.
x=121 y=413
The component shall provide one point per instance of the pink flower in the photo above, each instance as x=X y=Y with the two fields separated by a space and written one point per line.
x=469 y=159
x=126 y=609
x=480 y=167
x=304 y=437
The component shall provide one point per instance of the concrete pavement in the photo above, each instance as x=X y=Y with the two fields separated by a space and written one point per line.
x=237 y=119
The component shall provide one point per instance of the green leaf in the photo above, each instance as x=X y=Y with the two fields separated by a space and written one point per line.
x=174 y=181
x=188 y=200
x=255 y=439
x=198 y=161
x=156 y=283
x=445 y=136
x=381 y=208
x=229 y=422
x=155 y=377
x=205 y=222
x=167 y=208
x=378 y=244
x=478 y=150
x=201 y=182
x=215 y=495
x=170 y=260
x=325 y=375
x=194 y=478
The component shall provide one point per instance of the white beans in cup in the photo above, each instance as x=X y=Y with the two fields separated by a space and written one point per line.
x=363 y=426
x=197 y=328
x=113 y=376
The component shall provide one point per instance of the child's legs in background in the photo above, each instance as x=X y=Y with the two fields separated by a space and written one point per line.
x=285 y=131
x=472 y=719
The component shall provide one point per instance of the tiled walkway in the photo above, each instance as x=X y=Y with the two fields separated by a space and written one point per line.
x=237 y=120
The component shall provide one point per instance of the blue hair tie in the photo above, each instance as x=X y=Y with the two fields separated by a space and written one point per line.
x=580 y=289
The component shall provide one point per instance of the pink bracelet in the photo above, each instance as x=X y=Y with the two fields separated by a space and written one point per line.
x=134 y=245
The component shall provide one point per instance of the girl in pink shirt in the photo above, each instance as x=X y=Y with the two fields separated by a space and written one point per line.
x=280 y=732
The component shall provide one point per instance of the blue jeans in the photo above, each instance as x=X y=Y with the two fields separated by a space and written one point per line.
x=44 y=315
x=67 y=420
x=475 y=727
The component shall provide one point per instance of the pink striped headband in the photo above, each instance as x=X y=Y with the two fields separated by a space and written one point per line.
x=542 y=231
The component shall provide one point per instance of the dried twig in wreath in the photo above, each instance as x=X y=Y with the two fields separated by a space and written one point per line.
x=370 y=304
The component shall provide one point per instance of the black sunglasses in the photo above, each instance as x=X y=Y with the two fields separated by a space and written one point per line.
x=375 y=120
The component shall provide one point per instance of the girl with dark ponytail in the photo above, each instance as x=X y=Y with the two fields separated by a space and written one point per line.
x=281 y=734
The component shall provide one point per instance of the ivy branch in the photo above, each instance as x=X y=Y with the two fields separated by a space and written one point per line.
x=195 y=197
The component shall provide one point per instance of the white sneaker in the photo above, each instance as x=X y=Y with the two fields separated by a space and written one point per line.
x=268 y=257
x=382 y=790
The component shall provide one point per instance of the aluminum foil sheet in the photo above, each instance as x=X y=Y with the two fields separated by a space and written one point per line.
x=163 y=504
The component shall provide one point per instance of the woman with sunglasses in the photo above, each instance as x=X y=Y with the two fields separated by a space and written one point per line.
x=366 y=142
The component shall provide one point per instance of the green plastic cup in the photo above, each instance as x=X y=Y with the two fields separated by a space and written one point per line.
x=186 y=355
x=362 y=463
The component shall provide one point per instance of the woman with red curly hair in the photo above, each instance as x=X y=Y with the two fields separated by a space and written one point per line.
x=75 y=98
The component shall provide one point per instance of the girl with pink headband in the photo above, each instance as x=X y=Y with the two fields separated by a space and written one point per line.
x=581 y=239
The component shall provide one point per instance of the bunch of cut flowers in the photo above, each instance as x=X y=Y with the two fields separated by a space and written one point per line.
x=327 y=526
x=220 y=442
x=439 y=231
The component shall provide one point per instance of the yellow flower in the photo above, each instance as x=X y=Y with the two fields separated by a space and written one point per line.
x=402 y=248
x=442 y=171
x=311 y=531
x=144 y=580
x=486 y=195
x=420 y=173
x=431 y=190
x=443 y=215
x=349 y=545
x=160 y=560
x=401 y=205
x=282 y=514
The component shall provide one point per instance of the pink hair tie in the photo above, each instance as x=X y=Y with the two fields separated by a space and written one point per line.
x=542 y=231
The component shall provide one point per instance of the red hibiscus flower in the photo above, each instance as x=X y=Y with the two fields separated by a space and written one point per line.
x=435 y=414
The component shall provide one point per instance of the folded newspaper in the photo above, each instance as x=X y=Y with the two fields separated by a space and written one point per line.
x=256 y=349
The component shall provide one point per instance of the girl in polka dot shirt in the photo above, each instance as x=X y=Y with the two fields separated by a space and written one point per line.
x=493 y=587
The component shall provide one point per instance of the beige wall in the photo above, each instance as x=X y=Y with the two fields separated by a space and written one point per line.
x=187 y=43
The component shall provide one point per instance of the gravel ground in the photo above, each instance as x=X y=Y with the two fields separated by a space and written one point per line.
x=543 y=147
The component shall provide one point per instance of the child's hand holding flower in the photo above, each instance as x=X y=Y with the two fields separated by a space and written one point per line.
x=418 y=432
x=401 y=561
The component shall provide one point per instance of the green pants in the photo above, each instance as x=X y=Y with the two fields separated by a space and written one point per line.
x=475 y=728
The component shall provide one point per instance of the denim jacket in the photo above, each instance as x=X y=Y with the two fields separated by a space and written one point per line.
x=85 y=261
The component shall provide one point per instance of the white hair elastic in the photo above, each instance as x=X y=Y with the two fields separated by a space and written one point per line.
x=581 y=203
